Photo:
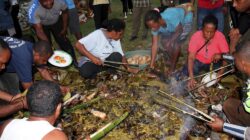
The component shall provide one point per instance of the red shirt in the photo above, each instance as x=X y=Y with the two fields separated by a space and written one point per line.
x=207 y=4
x=216 y=45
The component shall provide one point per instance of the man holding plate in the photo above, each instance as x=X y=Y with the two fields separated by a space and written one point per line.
x=24 y=56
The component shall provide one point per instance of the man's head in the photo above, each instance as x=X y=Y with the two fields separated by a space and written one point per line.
x=152 y=20
x=242 y=57
x=209 y=26
x=5 y=54
x=44 y=99
x=48 y=4
x=42 y=51
x=115 y=27
x=242 y=5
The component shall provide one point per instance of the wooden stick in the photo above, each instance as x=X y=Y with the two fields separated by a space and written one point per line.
x=180 y=110
x=209 y=72
x=211 y=80
x=189 y=106
x=113 y=62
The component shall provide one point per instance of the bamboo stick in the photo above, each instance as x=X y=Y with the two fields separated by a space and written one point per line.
x=211 y=80
x=107 y=128
x=180 y=110
x=189 y=106
x=209 y=72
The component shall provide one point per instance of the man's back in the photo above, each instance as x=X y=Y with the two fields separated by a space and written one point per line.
x=21 y=129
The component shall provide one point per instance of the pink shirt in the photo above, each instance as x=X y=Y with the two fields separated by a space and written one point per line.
x=216 y=45
x=207 y=4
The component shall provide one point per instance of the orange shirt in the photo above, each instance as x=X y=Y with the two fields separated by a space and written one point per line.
x=216 y=45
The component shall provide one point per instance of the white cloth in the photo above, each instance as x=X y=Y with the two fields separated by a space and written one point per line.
x=21 y=129
x=97 y=2
x=98 y=45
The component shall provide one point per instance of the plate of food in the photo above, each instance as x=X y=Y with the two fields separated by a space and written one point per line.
x=60 y=59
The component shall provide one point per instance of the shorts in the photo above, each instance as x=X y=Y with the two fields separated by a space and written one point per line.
x=74 y=24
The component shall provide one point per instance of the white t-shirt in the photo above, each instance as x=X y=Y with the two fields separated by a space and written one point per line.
x=21 y=129
x=98 y=45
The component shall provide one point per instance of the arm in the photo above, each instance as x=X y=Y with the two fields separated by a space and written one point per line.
x=154 y=48
x=46 y=75
x=235 y=130
x=55 y=135
x=177 y=33
x=5 y=96
x=26 y=85
x=9 y=109
x=81 y=48
x=191 y=59
x=65 y=16
x=39 y=32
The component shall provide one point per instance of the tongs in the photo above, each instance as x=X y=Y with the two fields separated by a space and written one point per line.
x=121 y=63
x=201 y=115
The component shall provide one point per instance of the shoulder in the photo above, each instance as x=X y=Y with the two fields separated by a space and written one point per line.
x=219 y=35
x=55 y=134
x=197 y=34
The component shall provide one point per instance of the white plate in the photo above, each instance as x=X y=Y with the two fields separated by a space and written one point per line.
x=60 y=59
x=209 y=77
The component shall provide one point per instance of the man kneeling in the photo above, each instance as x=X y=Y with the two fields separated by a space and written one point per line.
x=44 y=103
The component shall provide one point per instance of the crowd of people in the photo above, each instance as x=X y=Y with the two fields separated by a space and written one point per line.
x=21 y=56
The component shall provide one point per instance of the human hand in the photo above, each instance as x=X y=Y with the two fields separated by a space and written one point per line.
x=64 y=89
x=97 y=61
x=216 y=58
x=191 y=83
x=217 y=124
x=16 y=97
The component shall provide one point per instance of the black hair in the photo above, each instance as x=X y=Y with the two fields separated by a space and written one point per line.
x=4 y=45
x=151 y=15
x=243 y=50
x=43 y=98
x=114 y=24
x=210 y=19
x=43 y=48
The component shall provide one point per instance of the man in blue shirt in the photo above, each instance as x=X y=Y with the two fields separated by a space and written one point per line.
x=24 y=56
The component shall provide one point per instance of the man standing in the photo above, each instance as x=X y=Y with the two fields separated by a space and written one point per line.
x=140 y=7
x=101 y=9
x=44 y=102
x=51 y=16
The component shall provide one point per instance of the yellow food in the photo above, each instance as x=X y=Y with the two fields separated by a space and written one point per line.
x=137 y=59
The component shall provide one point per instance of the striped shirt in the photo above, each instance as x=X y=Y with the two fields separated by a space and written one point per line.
x=237 y=131
x=141 y=3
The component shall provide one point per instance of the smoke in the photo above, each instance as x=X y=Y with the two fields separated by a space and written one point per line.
x=189 y=122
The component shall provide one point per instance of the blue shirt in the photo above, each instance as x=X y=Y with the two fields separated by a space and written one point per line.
x=6 y=21
x=173 y=17
x=70 y=4
x=21 y=58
